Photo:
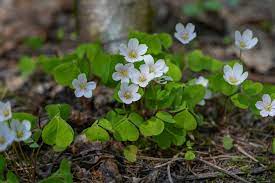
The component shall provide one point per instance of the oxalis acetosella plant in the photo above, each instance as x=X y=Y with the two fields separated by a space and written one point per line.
x=153 y=101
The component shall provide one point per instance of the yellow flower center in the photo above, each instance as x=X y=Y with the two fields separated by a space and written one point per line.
x=2 y=140
x=19 y=133
x=133 y=54
x=233 y=80
x=185 y=36
x=6 y=113
x=142 y=78
x=124 y=73
x=242 y=44
x=82 y=86
x=268 y=108
x=127 y=95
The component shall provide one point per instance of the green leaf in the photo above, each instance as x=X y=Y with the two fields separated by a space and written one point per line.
x=218 y=84
x=240 y=100
x=130 y=153
x=166 y=117
x=193 y=94
x=151 y=127
x=125 y=130
x=49 y=63
x=273 y=146
x=252 y=88
x=34 y=42
x=136 y=118
x=58 y=133
x=11 y=177
x=106 y=124
x=192 y=9
x=65 y=73
x=212 y=5
x=227 y=142
x=62 y=175
x=25 y=116
x=2 y=166
x=189 y=155
x=185 y=120
x=96 y=133
x=62 y=110
x=166 y=40
x=174 y=71
x=26 y=66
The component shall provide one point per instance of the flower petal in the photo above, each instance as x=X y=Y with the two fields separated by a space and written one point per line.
x=88 y=93
x=259 y=105
x=148 y=59
x=133 y=44
x=238 y=36
x=190 y=28
x=27 y=124
x=237 y=70
x=180 y=27
x=79 y=93
x=264 y=113
x=252 y=43
x=266 y=99
x=247 y=35
x=91 y=85
x=123 y=50
x=82 y=78
x=142 y=49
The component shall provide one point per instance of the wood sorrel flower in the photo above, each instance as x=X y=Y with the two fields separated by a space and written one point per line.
x=185 y=34
x=158 y=69
x=128 y=93
x=123 y=72
x=204 y=82
x=245 y=41
x=235 y=75
x=266 y=106
x=134 y=52
x=5 y=111
x=142 y=77
x=22 y=130
x=6 y=136
x=82 y=87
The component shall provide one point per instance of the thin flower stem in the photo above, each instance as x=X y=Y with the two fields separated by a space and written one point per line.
x=22 y=152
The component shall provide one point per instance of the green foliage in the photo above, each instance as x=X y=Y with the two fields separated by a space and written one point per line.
x=227 y=142
x=62 y=110
x=189 y=155
x=58 y=133
x=252 y=88
x=130 y=153
x=151 y=127
x=185 y=120
x=2 y=166
x=11 y=177
x=97 y=133
x=198 y=62
x=193 y=94
x=155 y=42
x=26 y=66
x=241 y=101
x=25 y=116
x=62 y=175
x=219 y=85
x=34 y=42
x=166 y=117
x=174 y=71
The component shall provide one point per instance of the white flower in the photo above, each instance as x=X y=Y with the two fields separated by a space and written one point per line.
x=6 y=136
x=266 y=106
x=128 y=93
x=163 y=79
x=204 y=82
x=142 y=77
x=158 y=69
x=234 y=76
x=82 y=87
x=123 y=72
x=22 y=130
x=185 y=34
x=5 y=111
x=134 y=52
x=245 y=41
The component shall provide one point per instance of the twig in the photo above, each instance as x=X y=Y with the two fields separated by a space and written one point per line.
x=218 y=174
x=223 y=170
x=241 y=150
x=169 y=174
x=169 y=162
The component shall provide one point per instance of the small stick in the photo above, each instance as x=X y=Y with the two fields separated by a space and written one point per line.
x=169 y=174
x=223 y=170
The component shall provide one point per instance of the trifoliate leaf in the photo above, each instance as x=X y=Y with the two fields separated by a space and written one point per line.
x=166 y=117
x=151 y=127
x=130 y=153
x=189 y=155
x=96 y=133
x=227 y=142
x=63 y=110
x=185 y=120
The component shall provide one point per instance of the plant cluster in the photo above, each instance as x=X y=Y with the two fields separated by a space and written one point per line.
x=152 y=101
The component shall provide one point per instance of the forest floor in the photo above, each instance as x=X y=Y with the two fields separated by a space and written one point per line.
x=250 y=160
